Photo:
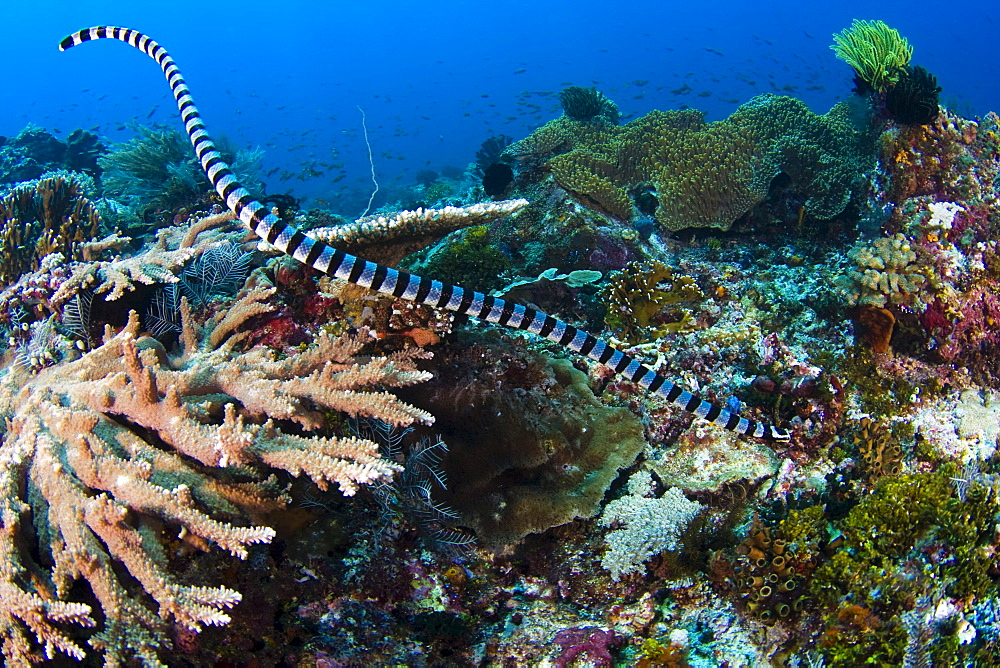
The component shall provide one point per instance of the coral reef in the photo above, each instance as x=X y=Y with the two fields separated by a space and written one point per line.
x=555 y=514
x=34 y=152
x=874 y=575
x=771 y=570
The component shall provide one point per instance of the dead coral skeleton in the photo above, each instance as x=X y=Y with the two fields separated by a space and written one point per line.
x=106 y=456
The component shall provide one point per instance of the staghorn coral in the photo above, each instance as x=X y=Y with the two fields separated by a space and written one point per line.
x=58 y=282
x=109 y=454
x=877 y=52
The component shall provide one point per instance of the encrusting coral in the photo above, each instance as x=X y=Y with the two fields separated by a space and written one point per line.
x=107 y=455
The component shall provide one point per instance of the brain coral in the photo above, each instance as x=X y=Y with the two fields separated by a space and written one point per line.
x=706 y=174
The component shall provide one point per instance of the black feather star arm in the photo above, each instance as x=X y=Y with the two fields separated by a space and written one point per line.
x=913 y=99
x=391 y=282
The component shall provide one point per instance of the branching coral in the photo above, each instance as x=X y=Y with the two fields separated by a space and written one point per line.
x=109 y=454
x=640 y=292
x=877 y=52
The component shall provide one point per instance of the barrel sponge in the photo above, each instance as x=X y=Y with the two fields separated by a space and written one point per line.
x=591 y=177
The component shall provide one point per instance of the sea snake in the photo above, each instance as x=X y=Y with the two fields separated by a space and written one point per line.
x=391 y=282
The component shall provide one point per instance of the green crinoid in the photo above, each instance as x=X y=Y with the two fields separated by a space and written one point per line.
x=877 y=52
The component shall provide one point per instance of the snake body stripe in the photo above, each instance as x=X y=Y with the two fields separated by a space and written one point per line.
x=389 y=281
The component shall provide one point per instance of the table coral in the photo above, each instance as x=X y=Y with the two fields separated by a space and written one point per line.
x=389 y=239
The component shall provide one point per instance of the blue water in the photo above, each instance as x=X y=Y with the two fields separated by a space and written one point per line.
x=437 y=78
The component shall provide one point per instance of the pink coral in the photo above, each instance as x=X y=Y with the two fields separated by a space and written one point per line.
x=587 y=642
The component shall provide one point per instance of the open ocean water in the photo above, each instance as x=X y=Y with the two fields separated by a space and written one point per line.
x=437 y=78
